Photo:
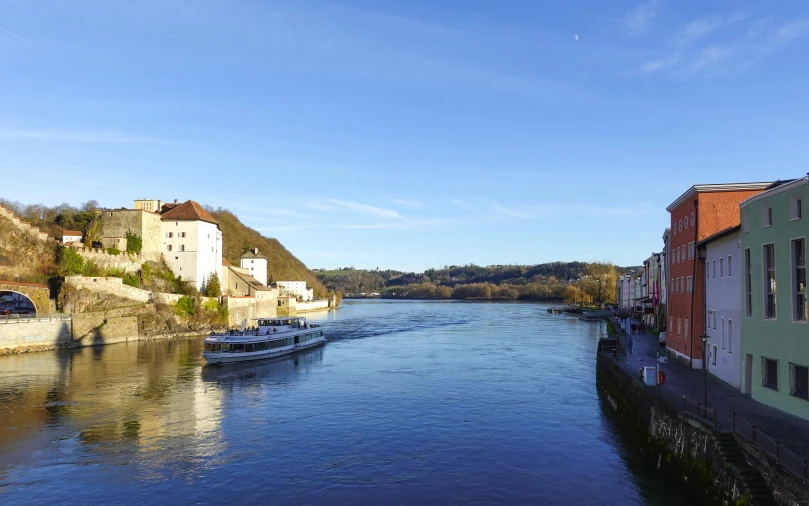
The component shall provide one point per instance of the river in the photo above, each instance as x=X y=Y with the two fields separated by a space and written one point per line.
x=408 y=403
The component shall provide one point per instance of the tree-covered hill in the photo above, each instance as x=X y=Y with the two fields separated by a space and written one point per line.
x=281 y=264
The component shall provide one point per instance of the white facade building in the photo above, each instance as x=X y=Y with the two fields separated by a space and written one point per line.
x=296 y=288
x=256 y=265
x=69 y=236
x=723 y=305
x=192 y=243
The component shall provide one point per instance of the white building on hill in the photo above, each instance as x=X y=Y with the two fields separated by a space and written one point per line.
x=297 y=289
x=256 y=265
x=192 y=243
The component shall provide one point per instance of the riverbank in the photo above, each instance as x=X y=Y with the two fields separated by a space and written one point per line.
x=691 y=448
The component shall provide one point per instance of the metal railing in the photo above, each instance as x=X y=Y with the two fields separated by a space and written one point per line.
x=701 y=413
x=28 y=318
x=785 y=458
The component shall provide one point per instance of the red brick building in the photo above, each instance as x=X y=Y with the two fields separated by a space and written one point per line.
x=700 y=212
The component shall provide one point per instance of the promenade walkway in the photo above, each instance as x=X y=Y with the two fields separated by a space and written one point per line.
x=791 y=431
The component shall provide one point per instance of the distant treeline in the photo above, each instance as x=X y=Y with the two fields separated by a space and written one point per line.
x=574 y=281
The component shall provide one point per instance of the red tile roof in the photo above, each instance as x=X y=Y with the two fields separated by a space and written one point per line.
x=225 y=263
x=71 y=232
x=188 y=211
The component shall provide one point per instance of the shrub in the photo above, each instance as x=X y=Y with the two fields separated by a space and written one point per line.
x=91 y=269
x=134 y=243
x=146 y=271
x=113 y=251
x=186 y=306
x=70 y=262
x=131 y=280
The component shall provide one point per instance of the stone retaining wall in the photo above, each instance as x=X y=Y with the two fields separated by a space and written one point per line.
x=34 y=335
x=112 y=286
x=302 y=307
x=682 y=450
x=129 y=262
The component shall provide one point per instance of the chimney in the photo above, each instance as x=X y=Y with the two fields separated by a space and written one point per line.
x=255 y=251
x=175 y=202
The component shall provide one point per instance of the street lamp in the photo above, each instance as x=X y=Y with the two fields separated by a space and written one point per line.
x=704 y=337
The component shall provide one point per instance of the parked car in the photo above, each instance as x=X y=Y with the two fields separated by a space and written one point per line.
x=662 y=338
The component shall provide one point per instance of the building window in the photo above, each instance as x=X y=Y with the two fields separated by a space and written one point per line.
x=721 y=267
x=730 y=335
x=182 y=247
x=692 y=217
x=730 y=266
x=769 y=373
x=169 y=234
x=209 y=236
x=769 y=281
x=679 y=325
x=766 y=219
x=686 y=223
x=799 y=279
x=799 y=381
x=795 y=208
x=671 y=324
x=681 y=225
x=713 y=356
x=685 y=329
x=168 y=248
x=748 y=308
x=723 y=333
x=713 y=268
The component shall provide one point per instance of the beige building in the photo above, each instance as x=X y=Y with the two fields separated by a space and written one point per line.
x=256 y=265
x=149 y=205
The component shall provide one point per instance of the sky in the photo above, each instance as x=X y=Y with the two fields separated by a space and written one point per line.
x=406 y=134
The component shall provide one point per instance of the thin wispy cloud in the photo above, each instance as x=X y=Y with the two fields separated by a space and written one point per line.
x=512 y=212
x=366 y=209
x=16 y=35
x=712 y=46
x=463 y=204
x=74 y=136
x=638 y=21
x=700 y=28
x=407 y=202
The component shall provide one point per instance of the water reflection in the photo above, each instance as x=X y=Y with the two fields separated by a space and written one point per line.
x=226 y=375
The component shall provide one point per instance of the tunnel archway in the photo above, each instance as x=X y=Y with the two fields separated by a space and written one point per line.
x=16 y=303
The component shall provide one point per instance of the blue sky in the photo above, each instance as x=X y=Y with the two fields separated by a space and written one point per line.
x=406 y=134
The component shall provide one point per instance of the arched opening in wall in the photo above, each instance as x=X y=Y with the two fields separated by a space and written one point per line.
x=16 y=304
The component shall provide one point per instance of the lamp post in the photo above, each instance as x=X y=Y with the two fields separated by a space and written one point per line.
x=704 y=337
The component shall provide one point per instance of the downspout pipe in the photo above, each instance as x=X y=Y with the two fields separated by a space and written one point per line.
x=693 y=282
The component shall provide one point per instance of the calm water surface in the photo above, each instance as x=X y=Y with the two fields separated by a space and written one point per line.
x=409 y=403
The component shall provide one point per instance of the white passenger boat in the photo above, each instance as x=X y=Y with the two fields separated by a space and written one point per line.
x=273 y=337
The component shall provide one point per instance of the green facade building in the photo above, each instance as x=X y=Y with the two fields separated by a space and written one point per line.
x=775 y=332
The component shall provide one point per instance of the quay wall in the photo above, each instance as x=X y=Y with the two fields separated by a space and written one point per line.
x=34 y=335
x=317 y=305
x=683 y=451
x=110 y=286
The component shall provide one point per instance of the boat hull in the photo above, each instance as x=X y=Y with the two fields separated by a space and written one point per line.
x=228 y=358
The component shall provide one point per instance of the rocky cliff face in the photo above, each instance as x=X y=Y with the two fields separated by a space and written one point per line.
x=25 y=253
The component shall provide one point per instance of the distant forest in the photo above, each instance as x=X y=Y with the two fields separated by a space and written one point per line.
x=573 y=281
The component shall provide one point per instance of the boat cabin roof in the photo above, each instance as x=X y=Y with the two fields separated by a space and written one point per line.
x=289 y=320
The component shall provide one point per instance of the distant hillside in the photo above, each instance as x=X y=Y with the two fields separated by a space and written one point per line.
x=350 y=280
x=281 y=264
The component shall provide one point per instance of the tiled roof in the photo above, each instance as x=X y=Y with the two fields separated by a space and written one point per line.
x=225 y=263
x=250 y=254
x=719 y=234
x=250 y=280
x=71 y=232
x=188 y=211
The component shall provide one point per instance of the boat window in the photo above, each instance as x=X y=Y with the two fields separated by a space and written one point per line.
x=212 y=347
x=225 y=348
x=237 y=348
x=249 y=348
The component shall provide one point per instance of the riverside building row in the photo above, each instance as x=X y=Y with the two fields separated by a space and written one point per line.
x=732 y=288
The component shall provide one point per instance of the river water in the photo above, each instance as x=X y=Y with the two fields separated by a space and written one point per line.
x=408 y=403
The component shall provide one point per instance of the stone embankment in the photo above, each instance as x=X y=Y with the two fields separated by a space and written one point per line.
x=710 y=463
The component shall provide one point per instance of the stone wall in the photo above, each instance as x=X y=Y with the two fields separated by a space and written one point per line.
x=39 y=295
x=682 y=450
x=129 y=262
x=112 y=286
x=112 y=330
x=240 y=309
x=85 y=324
x=34 y=335
x=116 y=223
x=302 y=307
